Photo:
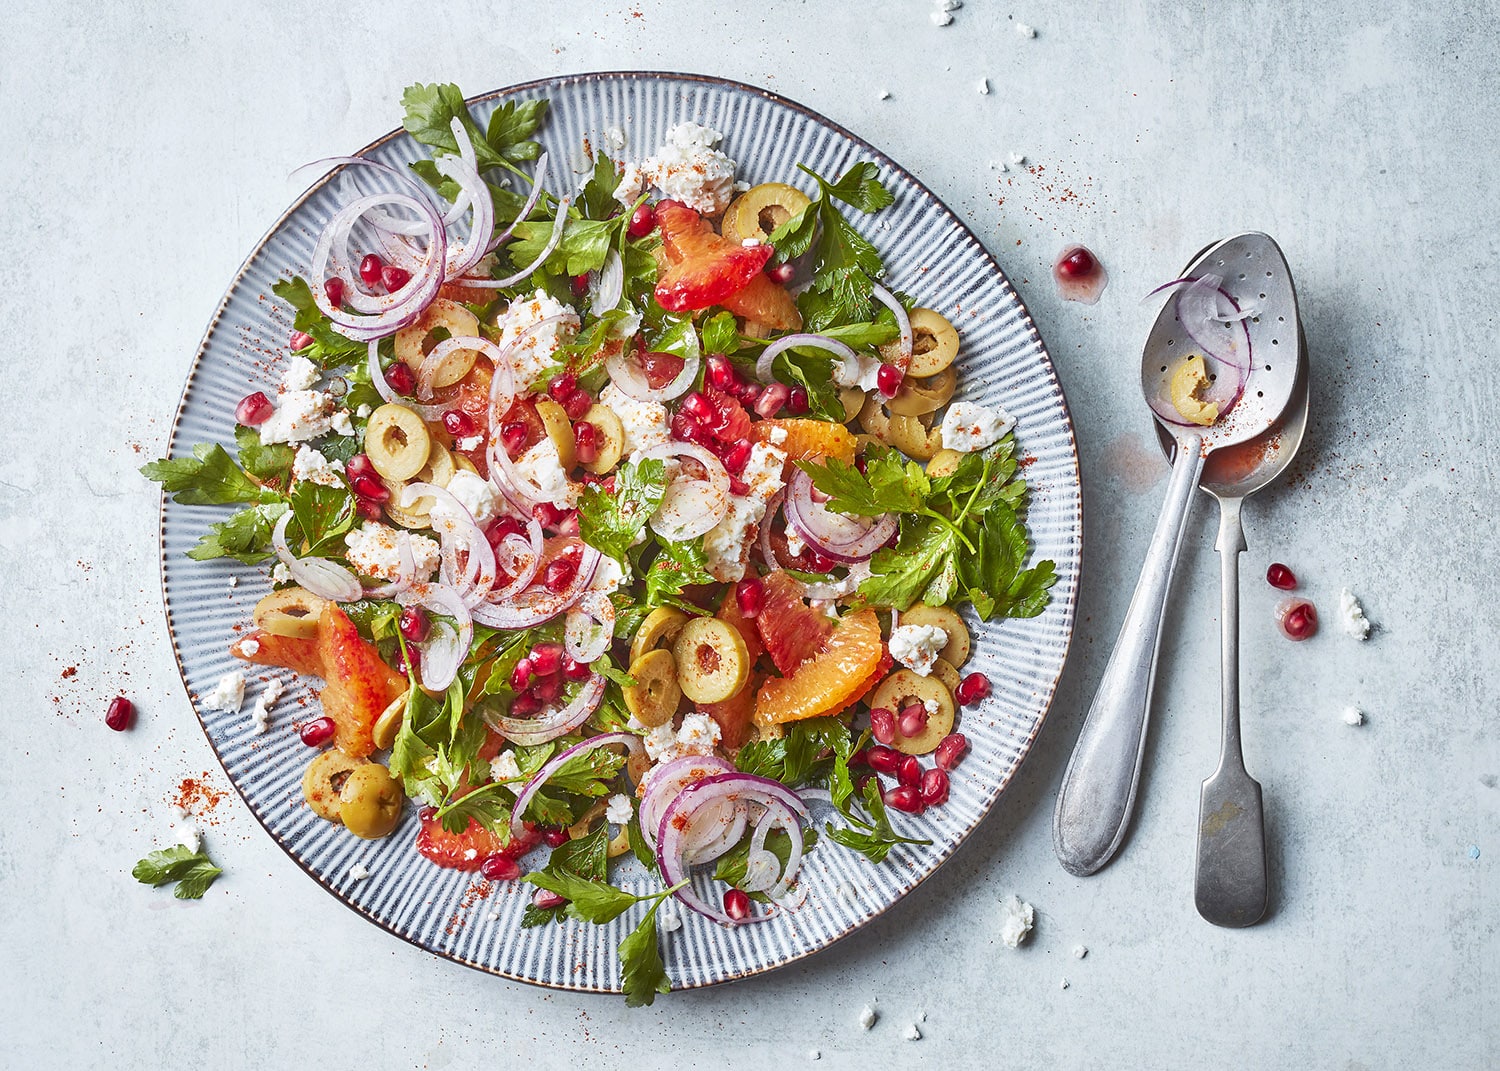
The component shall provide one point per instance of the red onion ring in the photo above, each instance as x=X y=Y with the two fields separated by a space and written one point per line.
x=662 y=783
x=842 y=538
x=763 y=371
x=524 y=273
x=529 y=789
x=531 y=200
x=456 y=525
x=903 y=321
x=377 y=315
x=445 y=650
x=522 y=570
x=463 y=169
x=1198 y=317
x=627 y=375
x=763 y=537
x=537 y=605
x=607 y=285
x=590 y=627
x=529 y=732
x=326 y=579
x=427 y=371
x=690 y=507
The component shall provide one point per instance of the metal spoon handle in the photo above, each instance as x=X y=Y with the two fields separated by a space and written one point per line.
x=1098 y=789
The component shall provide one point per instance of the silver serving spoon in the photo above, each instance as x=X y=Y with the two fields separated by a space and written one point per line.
x=1098 y=790
x=1230 y=886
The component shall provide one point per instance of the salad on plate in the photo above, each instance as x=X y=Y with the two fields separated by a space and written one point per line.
x=627 y=515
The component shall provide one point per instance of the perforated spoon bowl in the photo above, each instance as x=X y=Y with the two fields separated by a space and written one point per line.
x=1098 y=790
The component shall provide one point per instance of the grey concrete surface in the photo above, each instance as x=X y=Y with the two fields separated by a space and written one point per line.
x=147 y=148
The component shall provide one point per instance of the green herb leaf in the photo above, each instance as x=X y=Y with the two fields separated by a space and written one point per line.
x=720 y=334
x=329 y=348
x=859 y=187
x=245 y=537
x=269 y=464
x=611 y=523
x=511 y=126
x=322 y=516
x=193 y=872
x=642 y=973
x=676 y=566
x=592 y=901
x=209 y=478
x=732 y=864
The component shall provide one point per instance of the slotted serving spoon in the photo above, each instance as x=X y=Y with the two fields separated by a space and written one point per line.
x=1098 y=790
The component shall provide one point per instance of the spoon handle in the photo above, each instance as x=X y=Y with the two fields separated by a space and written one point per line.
x=1098 y=789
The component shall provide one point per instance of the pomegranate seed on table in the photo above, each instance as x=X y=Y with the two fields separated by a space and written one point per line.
x=972 y=689
x=561 y=386
x=935 y=787
x=781 y=273
x=548 y=689
x=459 y=424
x=951 y=750
x=369 y=270
x=721 y=374
x=546 y=659
x=500 y=867
x=254 y=409
x=772 y=399
x=796 y=402
x=401 y=378
x=737 y=904
x=882 y=725
x=750 y=596
x=580 y=285
x=414 y=623
x=559 y=574
x=1076 y=264
x=642 y=221
x=904 y=798
x=883 y=759
x=120 y=714
x=546 y=898
x=556 y=838
x=575 y=670
x=318 y=732
x=1278 y=575
x=577 y=404
x=909 y=773
x=394 y=278
x=913 y=720
x=300 y=340
x=888 y=379
x=333 y=288
x=520 y=676
x=1298 y=618
x=370 y=487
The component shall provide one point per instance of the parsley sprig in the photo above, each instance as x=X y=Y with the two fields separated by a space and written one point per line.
x=193 y=872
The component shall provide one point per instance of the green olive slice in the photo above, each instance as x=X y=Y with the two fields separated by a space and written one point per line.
x=903 y=688
x=414 y=343
x=397 y=442
x=609 y=438
x=389 y=723
x=758 y=211
x=934 y=343
x=946 y=618
x=713 y=662
x=920 y=395
x=370 y=801
x=654 y=696
x=323 y=779
x=289 y=612
x=559 y=430
x=914 y=439
x=660 y=626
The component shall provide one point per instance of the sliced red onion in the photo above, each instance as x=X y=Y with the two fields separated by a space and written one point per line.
x=529 y=732
x=842 y=538
x=538 y=779
x=767 y=552
x=628 y=376
x=427 y=371
x=662 y=783
x=903 y=321
x=590 y=627
x=377 y=315
x=717 y=827
x=677 y=823
x=690 y=507
x=1227 y=362
x=761 y=866
x=448 y=645
x=525 y=273
x=521 y=493
x=768 y=356
x=607 y=285
x=459 y=531
x=463 y=170
x=385 y=390
x=536 y=192
x=536 y=605
x=788 y=821
x=520 y=557
x=325 y=579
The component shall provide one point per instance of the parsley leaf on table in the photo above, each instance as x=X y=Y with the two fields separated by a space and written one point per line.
x=193 y=872
x=610 y=523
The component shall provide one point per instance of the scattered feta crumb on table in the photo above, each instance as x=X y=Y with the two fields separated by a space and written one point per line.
x=1025 y=30
x=1353 y=715
x=983 y=87
x=1064 y=984
x=941 y=18
x=1079 y=951
x=1018 y=158
x=814 y=1054
x=1016 y=922
x=867 y=1016
x=884 y=94
x=357 y=872
x=1352 y=615
x=911 y=1033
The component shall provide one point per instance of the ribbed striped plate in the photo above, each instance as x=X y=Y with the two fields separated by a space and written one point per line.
x=931 y=255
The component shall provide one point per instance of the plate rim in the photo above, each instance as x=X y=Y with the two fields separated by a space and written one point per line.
x=556 y=81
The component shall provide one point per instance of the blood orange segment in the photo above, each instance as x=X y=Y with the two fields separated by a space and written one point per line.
x=703 y=268
x=765 y=303
x=470 y=395
x=827 y=683
x=456 y=851
x=360 y=686
x=730 y=423
x=267 y=649
x=809 y=440
x=792 y=631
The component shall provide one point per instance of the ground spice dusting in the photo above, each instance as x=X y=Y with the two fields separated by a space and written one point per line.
x=197 y=795
x=480 y=890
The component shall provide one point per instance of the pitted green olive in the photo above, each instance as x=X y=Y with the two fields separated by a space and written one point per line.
x=370 y=801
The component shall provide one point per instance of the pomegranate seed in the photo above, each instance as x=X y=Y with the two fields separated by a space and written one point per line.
x=394 y=278
x=772 y=399
x=781 y=273
x=521 y=843
x=334 y=288
x=574 y=670
x=721 y=374
x=513 y=437
x=120 y=714
x=951 y=750
x=369 y=270
x=505 y=526
x=520 y=677
x=796 y=402
x=1298 y=618
x=318 y=732
x=459 y=424
x=546 y=659
x=370 y=487
x=577 y=404
x=642 y=221
x=525 y=705
x=367 y=508
x=738 y=486
x=861 y=464
x=748 y=393
x=401 y=378
x=1278 y=575
x=559 y=574
x=888 y=379
x=909 y=773
x=1076 y=264
x=884 y=760
x=500 y=867
x=546 y=898
x=300 y=340
x=750 y=595
x=415 y=625
x=556 y=838
x=737 y=904
x=254 y=409
x=579 y=284
x=548 y=689
x=359 y=465
x=698 y=407
x=737 y=457
x=820 y=563
x=934 y=788
x=860 y=758
x=546 y=514
x=972 y=689
x=411 y=657
x=562 y=386
x=913 y=720
x=882 y=725
x=864 y=779
x=568 y=526
x=904 y=798
x=688 y=430
x=585 y=442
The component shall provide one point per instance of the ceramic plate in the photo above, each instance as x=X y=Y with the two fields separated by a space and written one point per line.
x=930 y=254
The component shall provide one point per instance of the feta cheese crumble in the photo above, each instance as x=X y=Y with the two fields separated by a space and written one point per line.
x=1353 y=716
x=260 y=714
x=542 y=466
x=228 y=695
x=311 y=465
x=281 y=574
x=357 y=872
x=1079 y=951
x=698 y=736
x=884 y=94
x=968 y=426
x=645 y=423
x=341 y=422
x=300 y=374
x=474 y=493
x=1352 y=616
x=911 y=1033
x=234 y=581
x=503 y=767
x=1018 y=158
x=726 y=546
x=867 y=1016
x=187 y=834
x=302 y=415
x=687 y=168
x=917 y=646
x=983 y=87
x=940 y=18
x=1025 y=30
x=862 y=372
x=374 y=550
x=668 y=918
x=619 y=810
x=1016 y=920
x=535 y=354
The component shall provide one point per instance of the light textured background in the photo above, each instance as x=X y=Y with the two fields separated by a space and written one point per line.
x=148 y=148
